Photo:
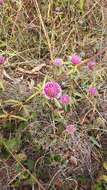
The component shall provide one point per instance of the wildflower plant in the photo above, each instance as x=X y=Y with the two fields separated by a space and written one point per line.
x=70 y=129
x=2 y=59
x=58 y=62
x=52 y=90
x=75 y=59
x=65 y=100
x=1 y=2
x=92 y=91
x=91 y=65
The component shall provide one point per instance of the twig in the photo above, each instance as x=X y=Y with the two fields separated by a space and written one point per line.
x=93 y=57
x=16 y=18
x=44 y=28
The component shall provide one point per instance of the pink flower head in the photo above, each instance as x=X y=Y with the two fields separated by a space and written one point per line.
x=70 y=129
x=92 y=91
x=65 y=99
x=91 y=65
x=58 y=62
x=52 y=90
x=2 y=59
x=1 y=2
x=75 y=59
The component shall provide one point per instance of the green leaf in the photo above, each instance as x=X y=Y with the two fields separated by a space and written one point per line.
x=81 y=5
x=98 y=186
x=57 y=103
x=7 y=126
x=30 y=164
x=12 y=144
x=23 y=125
x=104 y=177
x=57 y=158
x=1 y=85
x=18 y=168
x=32 y=96
x=105 y=165
x=78 y=95
x=95 y=142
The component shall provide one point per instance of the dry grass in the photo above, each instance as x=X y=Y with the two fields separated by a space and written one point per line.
x=35 y=150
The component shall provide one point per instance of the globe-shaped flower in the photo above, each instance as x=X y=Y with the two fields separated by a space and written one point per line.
x=75 y=59
x=70 y=129
x=92 y=91
x=52 y=90
x=1 y=2
x=91 y=65
x=58 y=62
x=65 y=99
x=2 y=59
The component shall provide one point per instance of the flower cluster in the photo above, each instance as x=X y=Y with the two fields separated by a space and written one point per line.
x=91 y=65
x=75 y=59
x=58 y=62
x=65 y=100
x=70 y=129
x=1 y=2
x=2 y=59
x=92 y=91
x=53 y=90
